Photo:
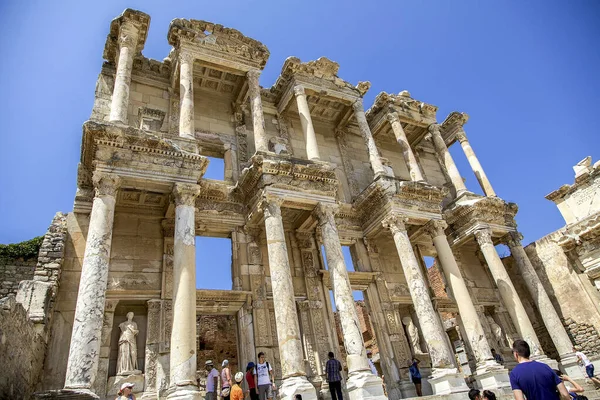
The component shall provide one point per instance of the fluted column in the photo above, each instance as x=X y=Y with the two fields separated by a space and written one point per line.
x=258 y=119
x=186 y=93
x=365 y=131
x=475 y=165
x=489 y=373
x=183 y=335
x=442 y=150
x=509 y=295
x=407 y=153
x=128 y=38
x=312 y=149
x=84 y=351
x=288 y=330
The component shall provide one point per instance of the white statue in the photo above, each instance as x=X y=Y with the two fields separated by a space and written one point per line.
x=127 y=359
x=496 y=332
x=413 y=334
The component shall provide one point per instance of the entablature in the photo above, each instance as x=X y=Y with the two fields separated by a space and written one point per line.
x=452 y=125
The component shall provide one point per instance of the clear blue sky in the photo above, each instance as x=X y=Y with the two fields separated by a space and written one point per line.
x=525 y=72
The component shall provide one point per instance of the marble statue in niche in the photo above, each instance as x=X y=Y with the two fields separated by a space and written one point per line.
x=127 y=358
x=497 y=334
x=413 y=334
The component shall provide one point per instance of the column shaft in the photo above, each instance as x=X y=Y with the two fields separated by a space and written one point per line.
x=554 y=325
x=128 y=37
x=365 y=131
x=475 y=165
x=509 y=295
x=440 y=147
x=183 y=335
x=84 y=351
x=258 y=119
x=312 y=149
x=186 y=93
x=407 y=153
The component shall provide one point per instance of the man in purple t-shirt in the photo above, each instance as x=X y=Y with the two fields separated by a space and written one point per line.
x=532 y=379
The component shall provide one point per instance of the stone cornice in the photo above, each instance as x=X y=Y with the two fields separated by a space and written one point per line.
x=577 y=233
x=139 y=20
x=452 y=125
x=407 y=109
x=583 y=179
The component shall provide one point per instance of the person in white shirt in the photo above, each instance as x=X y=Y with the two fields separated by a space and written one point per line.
x=589 y=367
x=212 y=381
x=263 y=376
x=371 y=365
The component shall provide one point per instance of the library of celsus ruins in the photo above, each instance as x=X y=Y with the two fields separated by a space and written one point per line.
x=310 y=174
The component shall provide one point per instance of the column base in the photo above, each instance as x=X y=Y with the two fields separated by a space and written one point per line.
x=448 y=381
x=149 y=396
x=492 y=376
x=188 y=392
x=407 y=389
x=67 y=394
x=571 y=366
x=364 y=385
x=546 y=360
x=294 y=385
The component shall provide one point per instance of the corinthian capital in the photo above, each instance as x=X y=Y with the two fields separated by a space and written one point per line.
x=358 y=107
x=483 y=236
x=106 y=184
x=186 y=56
x=325 y=212
x=253 y=75
x=513 y=239
x=461 y=136
x=395 y=223
x=185 y=194
x=392 y=117
x=299 y=90
x=271 y=206
x=434 y=129
x=128 y=34
x=435 y=228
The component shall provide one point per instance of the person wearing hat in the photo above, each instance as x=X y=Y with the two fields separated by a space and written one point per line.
x=126 y=392
x=251 y=382
x=212 y=380
x=236 y=391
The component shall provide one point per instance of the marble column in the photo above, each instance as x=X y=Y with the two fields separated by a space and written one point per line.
x=84 y=351
x=128 y=38
x=186 y=93
x=407 y=153
x=183 y=336
x=442 y=150
x=152 y=344
x=489 y=373
x=509 y=295
x=552 y=321
x=288 y=330
x=365 y=131
x=445 y=378
x=475 y=165
x=312 y=149
x=360 y=379
x=258 y=119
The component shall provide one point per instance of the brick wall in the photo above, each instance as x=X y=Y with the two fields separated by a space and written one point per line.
x=13 y=271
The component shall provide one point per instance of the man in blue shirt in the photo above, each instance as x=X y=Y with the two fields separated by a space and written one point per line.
x=334 y=377
x=534 y=380
x=415 y=375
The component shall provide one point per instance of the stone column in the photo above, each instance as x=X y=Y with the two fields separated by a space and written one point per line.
x=288 y=330
x=442 y=150
x=361 y=382
x=152 y=350
x=128 y=38
x=186 y=93
x=552 y=321
x=509 y=295
x=183 y=336
x=312 y=149
x=84 y=351
x=365 y=131
x=445 y=378
x=407 y=153
x=475 y=165
x=258 y=119
x=489 y=373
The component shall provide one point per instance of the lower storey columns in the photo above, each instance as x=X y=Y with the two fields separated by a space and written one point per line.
x=445 y=378
x=361 y=381
x=183 y=337
x=288 y=331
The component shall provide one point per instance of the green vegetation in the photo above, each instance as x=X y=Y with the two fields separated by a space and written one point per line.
x=26 y=249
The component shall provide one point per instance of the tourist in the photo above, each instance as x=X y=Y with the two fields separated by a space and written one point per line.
x=589 y=367
x=371 y=365
x=225 y=380
x=263 y=375
x=573 y=387
x=126 y=392
x=212 y=380
x=415 y=375
x=488 y=395
x=534 y=380
x=499 y=359
x=251 y=381
x=236 y=391
x=474 y=394
x=334 y=377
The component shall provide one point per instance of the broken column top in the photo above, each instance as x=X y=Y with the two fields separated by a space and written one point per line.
x=138 y=19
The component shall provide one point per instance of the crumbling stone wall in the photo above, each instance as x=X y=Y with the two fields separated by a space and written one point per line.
x=13 y=271
x=584 y=336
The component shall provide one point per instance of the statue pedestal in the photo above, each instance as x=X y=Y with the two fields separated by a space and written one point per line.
x=115 y=382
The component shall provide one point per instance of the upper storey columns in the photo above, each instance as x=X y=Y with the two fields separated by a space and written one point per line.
x=312 y=149
x=186 y=94
x=258 y=119
x=407 y=153
x=475 y=165
x=442 y=150
x=365 y=131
